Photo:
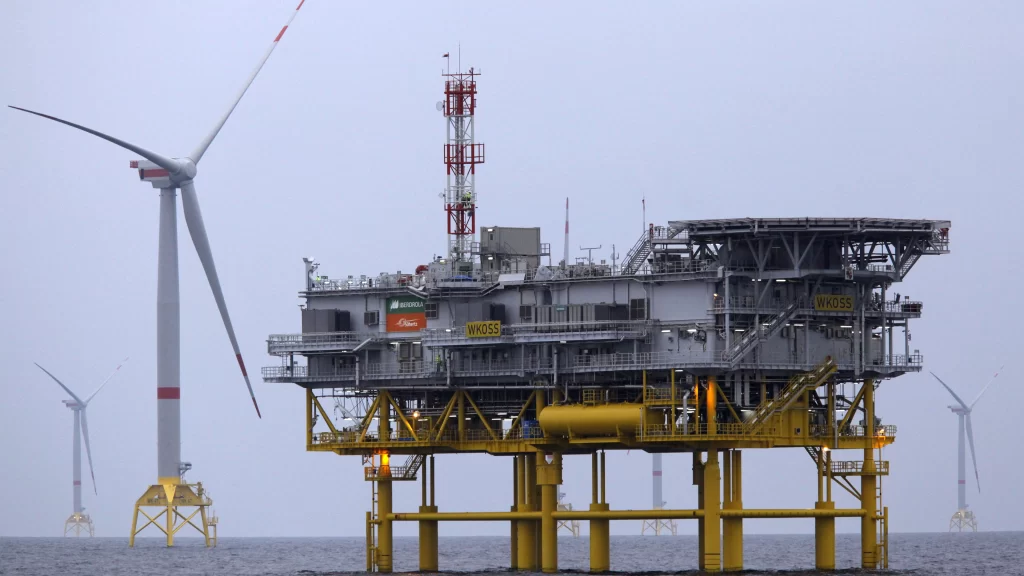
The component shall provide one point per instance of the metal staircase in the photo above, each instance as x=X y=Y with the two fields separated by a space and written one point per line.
x=909 y=263
x=761 y=333
x=408 y=470
x=797 y=385
x=637 y=255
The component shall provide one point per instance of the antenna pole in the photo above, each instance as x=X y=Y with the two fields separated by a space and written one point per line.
x=461 y=155
x=565 y=257
x=590 y=254
x=643 y=203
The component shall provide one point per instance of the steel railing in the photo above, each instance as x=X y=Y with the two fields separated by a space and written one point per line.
x=822 y=430
x=663 y=432
x=567 y=364
x=841 y=467
x=309 y=341
x=611 y=328
x=429 y=437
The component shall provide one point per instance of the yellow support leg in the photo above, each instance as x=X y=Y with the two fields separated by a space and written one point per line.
x=711 y=550
x=428 y=528
x=170 y=496
x=428 y=541
x=548 y=530
x=824 y=527
x=527 y=538
x=600 y=558
x=170 y=489
x=698 y=481
x=825 y=538
x=514 y=525
x=384 y=540
x=732 y=528
x=869 y=484
x=549 y=477
x=599 y=529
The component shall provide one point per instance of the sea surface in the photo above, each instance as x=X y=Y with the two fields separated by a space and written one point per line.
x=980 y=554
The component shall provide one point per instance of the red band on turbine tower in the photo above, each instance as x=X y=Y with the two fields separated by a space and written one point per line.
x=77 y=482
x=168 y=393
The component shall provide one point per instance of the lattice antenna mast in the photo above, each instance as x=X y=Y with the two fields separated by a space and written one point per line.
x=461 y=155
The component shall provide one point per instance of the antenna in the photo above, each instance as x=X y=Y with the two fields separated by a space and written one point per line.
x=461 y=155
x=615 y=258
x=590 y=254
x=565 y=258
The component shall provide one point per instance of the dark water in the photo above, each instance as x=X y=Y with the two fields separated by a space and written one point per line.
x=990 y=553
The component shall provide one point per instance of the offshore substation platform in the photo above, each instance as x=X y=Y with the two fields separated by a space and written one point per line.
x=710 y=337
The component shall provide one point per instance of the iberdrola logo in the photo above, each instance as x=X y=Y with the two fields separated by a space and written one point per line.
x=406 y=314
x=405 y=305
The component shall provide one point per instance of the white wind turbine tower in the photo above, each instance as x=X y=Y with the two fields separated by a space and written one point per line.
x=964 y=518
x=78 y=521
x=657 y=526
x=169 y=175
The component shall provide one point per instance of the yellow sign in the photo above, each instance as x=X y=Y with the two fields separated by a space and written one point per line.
x=488 y=329
x=833 y=302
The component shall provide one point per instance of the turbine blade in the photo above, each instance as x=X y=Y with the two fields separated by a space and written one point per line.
x=104 y=383
x=163 y=162
x=994 y=376
x=950 y=391
x=194 y=220
x=974 y=459
x=66 y=389
x=197 y=154
x=88 y=450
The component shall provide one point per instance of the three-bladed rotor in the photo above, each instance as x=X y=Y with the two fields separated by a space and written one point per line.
x=181 y=173
x=81 y=405
x=965 y=410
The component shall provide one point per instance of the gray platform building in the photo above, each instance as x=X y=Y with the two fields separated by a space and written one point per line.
x=711 y=336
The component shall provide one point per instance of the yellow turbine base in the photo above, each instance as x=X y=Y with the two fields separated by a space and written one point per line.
x=77 y=523
x=170 y=496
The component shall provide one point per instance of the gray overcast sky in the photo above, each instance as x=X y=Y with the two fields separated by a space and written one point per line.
x=908 y=110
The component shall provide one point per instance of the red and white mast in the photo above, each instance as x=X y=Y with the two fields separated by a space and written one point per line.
x=461 y=155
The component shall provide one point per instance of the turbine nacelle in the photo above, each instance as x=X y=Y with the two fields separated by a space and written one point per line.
x=184 y=169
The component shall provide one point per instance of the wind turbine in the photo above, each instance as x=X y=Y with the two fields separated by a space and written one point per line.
x=78 y=521
x=169 y=175
x=657 y=526
x=964 y=518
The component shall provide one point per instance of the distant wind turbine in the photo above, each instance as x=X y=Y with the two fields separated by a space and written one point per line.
x=964 y=518
x=78 y=521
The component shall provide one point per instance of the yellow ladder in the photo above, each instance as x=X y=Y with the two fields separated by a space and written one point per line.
x=882 y=513
x=371 y=531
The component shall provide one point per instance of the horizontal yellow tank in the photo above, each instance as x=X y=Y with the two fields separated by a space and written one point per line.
x=601 y=420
